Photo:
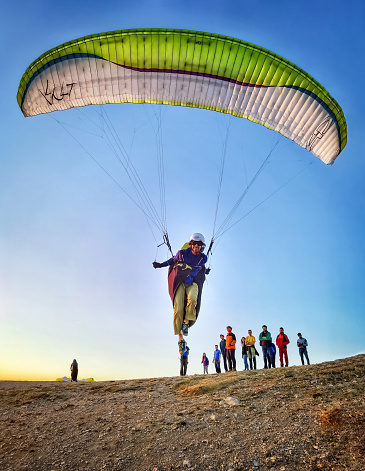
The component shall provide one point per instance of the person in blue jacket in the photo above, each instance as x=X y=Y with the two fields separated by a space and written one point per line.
x=186 y=277
x=184 y=361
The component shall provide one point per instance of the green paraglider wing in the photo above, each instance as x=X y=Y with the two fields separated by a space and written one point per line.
x=187 y=68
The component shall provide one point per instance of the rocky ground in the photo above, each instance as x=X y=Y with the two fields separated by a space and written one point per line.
x=298 y=418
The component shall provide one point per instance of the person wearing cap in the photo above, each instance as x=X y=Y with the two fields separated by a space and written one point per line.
x=186 y=277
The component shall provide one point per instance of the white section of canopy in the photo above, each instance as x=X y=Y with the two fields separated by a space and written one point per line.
x=88 y=80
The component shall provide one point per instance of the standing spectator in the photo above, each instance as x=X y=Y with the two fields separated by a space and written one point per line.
x=251 y=350
x=231 y=349
x=282 y=342
x=205 y=362
x=303 y=344
x=217 y=359
x=222 y=346
x=74 y=370
x=244 y=352
x=184 y=360
x=265 y=342
x=271 y=359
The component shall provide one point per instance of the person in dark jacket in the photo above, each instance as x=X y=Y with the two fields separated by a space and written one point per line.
x=222 y=345
x=231 y=349
x=302 y=345
x=244 y=352
x=74 y=370
x=282 y=342
x=186 y=277
x=271 y=358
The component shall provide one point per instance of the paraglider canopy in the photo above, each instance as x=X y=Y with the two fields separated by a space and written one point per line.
x=187 y=68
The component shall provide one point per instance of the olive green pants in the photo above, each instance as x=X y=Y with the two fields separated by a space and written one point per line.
x=190 y=292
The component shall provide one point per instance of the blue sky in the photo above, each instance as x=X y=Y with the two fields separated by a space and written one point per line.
x=76 y=279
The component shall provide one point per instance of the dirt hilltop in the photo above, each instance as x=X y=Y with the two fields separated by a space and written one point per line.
x=284 y=419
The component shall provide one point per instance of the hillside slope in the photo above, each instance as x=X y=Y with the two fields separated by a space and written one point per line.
x=310 y=418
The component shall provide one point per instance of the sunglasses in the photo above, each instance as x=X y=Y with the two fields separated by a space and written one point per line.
x=195 y=242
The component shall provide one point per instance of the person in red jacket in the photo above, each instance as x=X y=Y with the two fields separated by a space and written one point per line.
x=231 y=349
x=282 y=342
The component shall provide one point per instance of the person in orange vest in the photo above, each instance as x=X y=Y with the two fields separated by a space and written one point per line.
x=282 y=342
x=231 y=349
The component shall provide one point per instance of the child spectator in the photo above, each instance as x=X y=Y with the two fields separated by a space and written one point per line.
x=205 y=362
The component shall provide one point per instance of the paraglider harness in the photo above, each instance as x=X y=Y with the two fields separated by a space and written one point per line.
x=177 y=274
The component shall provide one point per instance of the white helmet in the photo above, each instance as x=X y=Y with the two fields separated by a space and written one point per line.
x=197 y=237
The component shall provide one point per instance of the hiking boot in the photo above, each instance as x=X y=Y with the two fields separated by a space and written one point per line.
x=182 y=346
x=185 y=329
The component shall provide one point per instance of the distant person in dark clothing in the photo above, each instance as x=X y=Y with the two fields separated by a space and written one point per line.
x=74 y=370
x=271 y=359
x=303 y=344
x=231 y=349
x=184 y=361
x=222 y=346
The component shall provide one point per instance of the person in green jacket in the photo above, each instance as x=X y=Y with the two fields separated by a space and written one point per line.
x=266 y=342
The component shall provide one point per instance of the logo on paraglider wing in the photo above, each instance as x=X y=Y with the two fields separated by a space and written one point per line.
x=318 y=133
x=58 y=93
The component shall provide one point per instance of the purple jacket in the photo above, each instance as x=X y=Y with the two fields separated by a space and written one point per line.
x=186 y=268
x=196 y=262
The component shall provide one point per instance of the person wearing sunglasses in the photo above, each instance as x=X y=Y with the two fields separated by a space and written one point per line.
x=186 y=277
